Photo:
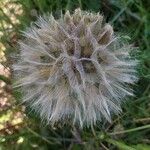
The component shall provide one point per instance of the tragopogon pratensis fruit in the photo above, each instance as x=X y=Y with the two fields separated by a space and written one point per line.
x=74 y=69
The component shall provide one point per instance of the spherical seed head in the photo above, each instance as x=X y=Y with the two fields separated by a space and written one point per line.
x=74 y=68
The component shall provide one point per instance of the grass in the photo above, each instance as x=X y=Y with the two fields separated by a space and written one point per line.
x=128 y=131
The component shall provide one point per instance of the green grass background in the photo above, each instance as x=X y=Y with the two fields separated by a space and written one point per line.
x=128 y=131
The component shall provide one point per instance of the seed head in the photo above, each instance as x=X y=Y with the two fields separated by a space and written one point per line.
x=74 y=68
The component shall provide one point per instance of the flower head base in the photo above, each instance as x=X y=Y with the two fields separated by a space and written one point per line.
x=74 y=68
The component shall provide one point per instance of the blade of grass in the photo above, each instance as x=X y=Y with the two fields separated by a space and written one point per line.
x=131 y=130
x=38 y=135
x=121 y=12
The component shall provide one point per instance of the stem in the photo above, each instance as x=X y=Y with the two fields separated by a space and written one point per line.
x=76 y=133
x=38 y=135
x=131 y=130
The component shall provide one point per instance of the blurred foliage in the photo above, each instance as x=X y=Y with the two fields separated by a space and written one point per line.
x=129 y=131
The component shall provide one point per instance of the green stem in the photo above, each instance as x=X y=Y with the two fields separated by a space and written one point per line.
x=131 y=130
x=121 y=12
x=38 y=135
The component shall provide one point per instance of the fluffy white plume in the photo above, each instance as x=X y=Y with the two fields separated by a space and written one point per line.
x=74 y=68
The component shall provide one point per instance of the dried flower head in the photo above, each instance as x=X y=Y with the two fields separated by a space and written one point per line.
x=74 y=68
